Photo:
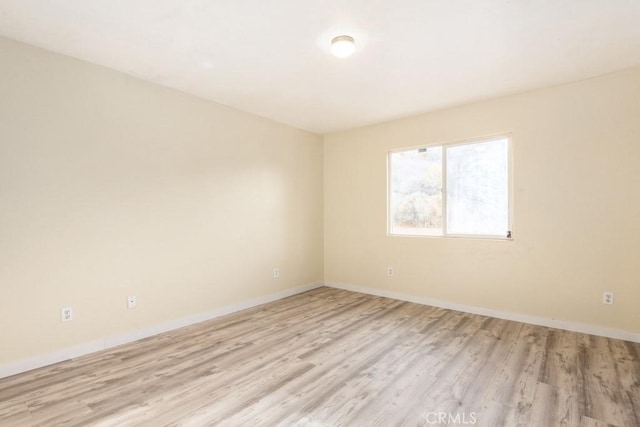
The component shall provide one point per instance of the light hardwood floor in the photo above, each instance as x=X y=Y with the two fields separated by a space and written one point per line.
x=331 y=357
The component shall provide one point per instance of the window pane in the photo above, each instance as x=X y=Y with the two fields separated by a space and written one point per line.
x=477 y=188
x=416 y=192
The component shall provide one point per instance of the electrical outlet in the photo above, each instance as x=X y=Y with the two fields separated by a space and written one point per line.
x=607 y=297
x=276 y=272
x=66 y=314
x=389 y=271
x=132 y=301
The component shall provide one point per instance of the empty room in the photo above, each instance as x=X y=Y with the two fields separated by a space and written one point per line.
x=336 y=213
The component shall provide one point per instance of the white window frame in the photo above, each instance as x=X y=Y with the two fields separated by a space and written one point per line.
x=444 y=146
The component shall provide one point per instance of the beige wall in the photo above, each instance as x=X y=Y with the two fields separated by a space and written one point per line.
x=110 y=186
x=577 y=207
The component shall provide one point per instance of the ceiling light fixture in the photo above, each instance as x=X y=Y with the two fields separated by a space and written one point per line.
x=342 y=46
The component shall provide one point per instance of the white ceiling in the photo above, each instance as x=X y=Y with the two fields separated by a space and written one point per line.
x=272 y=58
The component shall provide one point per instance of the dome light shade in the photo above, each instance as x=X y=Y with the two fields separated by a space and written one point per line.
x=342 y=46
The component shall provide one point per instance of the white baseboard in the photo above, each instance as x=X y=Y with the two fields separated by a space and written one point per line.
x=524 y=318
x=24 y=365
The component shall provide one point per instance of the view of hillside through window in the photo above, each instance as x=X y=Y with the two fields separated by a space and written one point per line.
x=476 y=185
x=416 y=196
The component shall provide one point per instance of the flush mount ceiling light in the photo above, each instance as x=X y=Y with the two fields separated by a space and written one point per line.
x=342 y=46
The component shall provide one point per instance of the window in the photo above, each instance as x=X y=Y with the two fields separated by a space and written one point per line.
x=452 y=190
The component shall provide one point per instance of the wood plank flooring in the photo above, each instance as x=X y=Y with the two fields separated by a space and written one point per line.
x=335 y=358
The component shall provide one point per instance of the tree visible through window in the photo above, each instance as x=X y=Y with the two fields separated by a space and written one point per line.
x=451 y=190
